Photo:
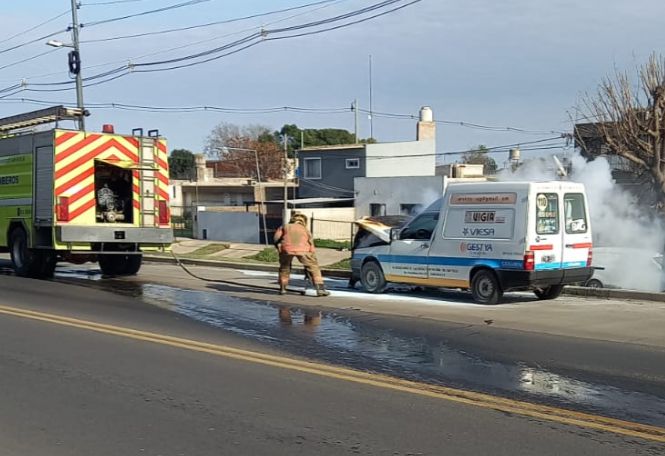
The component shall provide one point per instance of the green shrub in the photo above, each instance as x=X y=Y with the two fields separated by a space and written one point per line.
x=267 y=255
x=343 y=264
x=328 y=244
x=209 y=250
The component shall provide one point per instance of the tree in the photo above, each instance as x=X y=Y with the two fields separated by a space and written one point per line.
x=236 y=145
x=181 y=164
x=480 y=156
x=225 y=133
x=629 y=120
x=317 y=137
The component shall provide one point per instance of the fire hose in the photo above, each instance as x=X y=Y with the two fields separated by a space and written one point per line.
x=308 y=280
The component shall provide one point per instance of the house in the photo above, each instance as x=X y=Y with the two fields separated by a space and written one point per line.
x=408 y=195
x=330 y=171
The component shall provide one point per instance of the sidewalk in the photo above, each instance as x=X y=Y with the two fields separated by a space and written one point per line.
x=238 y=251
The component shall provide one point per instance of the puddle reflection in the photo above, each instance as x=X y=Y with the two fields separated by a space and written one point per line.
x=339 y=340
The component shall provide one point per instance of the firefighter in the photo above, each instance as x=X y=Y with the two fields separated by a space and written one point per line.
x=295 y=240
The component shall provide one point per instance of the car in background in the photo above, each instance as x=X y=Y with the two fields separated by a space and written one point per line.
x=627 y=268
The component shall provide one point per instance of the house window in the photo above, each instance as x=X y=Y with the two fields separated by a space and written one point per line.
x=377 y=210
x=312 y=168
x=352 y=163
x=410 y=209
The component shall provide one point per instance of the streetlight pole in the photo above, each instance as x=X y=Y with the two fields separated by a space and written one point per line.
x=75 y=63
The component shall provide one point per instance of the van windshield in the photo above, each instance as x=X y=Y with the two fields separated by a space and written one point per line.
x=575 y=213
x=547 y=213
x=421 y=227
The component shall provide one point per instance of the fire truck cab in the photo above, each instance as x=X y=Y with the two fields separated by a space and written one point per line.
x=77 y=196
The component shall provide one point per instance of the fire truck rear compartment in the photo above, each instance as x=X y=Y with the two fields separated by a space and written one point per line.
x=113 y=194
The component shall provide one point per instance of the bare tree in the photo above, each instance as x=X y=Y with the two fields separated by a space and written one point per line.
x=241 y=145
x=226 y=133
x=629 y=121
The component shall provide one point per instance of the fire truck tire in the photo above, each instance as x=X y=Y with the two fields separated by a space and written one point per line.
x=28 y=262
x=120 y=265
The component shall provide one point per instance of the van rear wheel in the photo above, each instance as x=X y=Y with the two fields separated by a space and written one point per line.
x=372 y=278
x=485 y=287
x=551 y=292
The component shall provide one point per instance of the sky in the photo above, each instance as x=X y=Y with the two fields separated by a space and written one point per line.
x=512 y=63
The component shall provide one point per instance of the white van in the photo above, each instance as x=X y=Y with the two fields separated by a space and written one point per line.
x=489 y=237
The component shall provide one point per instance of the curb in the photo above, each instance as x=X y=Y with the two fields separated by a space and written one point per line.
x=609 y=293
x=336 y=273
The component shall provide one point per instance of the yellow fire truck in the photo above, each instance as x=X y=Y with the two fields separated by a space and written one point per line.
x=77 y=196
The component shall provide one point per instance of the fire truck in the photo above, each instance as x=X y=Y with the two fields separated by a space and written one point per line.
x=78 y=196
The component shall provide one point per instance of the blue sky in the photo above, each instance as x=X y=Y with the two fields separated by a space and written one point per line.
x=518 y=63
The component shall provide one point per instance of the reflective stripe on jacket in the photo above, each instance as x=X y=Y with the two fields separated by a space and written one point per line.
x=294 y=239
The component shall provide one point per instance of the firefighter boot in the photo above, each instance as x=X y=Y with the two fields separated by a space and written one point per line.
x=282 y=288
x=321 y=290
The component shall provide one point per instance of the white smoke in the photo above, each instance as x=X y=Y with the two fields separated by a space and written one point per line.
x=624 y=232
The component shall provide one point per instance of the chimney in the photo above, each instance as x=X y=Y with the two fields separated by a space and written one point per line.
x=426 y=128
x=200 y=162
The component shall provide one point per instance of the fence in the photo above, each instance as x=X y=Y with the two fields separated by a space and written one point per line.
x=334 y=230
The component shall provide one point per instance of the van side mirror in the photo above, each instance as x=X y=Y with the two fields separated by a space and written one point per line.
x=394 y=234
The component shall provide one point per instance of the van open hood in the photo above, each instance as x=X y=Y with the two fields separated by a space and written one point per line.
x=380 y=226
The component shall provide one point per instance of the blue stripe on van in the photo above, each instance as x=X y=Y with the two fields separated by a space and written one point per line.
x=559 y=265
x=452 y=261
x=457 y=261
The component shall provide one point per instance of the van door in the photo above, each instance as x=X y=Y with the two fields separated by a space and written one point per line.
x=547 y=241
x=409 y=254
x=576 y=233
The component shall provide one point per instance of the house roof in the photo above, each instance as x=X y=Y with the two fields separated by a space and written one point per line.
x=337 y=147
x=302 y=201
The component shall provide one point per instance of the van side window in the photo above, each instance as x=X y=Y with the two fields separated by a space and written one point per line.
x=421 y=227
x=547 y=213
x=574 y=213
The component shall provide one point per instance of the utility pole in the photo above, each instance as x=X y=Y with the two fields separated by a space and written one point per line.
x=371 y=117
x=355 y=120
x=285 y=214
x=75 y=63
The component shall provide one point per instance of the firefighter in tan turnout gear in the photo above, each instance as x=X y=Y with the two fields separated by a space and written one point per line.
x=295 y=240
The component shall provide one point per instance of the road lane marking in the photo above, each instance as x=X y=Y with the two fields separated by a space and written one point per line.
x=543 y=412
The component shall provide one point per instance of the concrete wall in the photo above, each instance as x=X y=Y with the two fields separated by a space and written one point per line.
x=336 y=180
x=412 y=158
x=395 y=191
x=228 y=226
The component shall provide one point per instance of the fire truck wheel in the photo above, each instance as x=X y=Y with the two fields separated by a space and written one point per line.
x=20 y=254
x=119 y=265
x=28 y=262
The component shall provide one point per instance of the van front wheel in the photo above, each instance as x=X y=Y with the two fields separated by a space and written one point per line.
x=485 y=287
x=551 y=292
x=372 y=278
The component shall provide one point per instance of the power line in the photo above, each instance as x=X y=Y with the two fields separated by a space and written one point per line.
x=28 y=30
x=27 y=59
x=41 y=38
x=265 y=110
x=145 y=13
x=209 y=24
x=230 y=48
x=114 y=2
x=461 y=123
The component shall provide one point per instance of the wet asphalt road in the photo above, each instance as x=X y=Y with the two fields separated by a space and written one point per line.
x=70 y=391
